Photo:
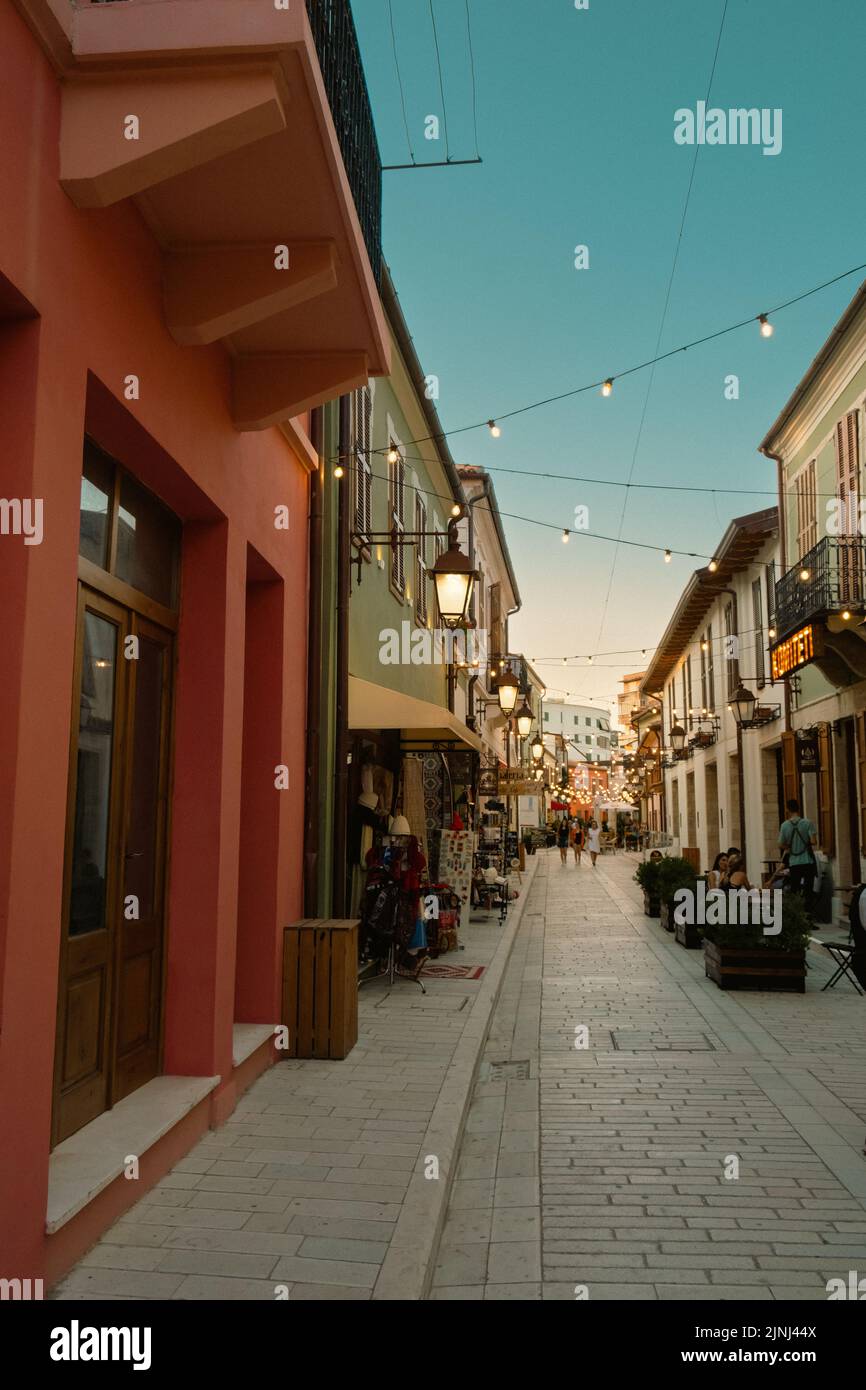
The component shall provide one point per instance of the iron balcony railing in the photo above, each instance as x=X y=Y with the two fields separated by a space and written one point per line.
x=831 y=578
x=336 y=42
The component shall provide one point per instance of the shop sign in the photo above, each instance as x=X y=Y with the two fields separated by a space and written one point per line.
x=808 y=756
x=488 y=782
x=796 y=651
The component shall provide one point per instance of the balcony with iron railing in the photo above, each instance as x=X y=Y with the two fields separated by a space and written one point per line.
x=830 y=579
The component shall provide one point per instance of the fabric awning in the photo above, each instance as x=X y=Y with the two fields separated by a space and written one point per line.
x=376 y=707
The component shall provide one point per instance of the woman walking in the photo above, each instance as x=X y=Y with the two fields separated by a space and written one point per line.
x=562 y=839
x=594 y=841
x=577 y=839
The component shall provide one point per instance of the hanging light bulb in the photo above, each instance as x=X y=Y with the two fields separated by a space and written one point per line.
x=565 y=536
x=805 y=575
x=456 y=510
x=667 y=557
x=766 y=326
x=393 y=455
x=607 y=387
x=339 y=471
x=772 y=632
x=494 y=428
x=589 y=659
x=713 y=566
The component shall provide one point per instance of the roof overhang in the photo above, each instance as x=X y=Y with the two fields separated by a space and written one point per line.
x=743 y=541
x=214 y=119
x=377 y=707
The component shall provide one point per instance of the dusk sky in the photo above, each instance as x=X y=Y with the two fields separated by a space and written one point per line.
x=575 y=112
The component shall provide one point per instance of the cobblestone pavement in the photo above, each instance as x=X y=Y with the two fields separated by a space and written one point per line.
x=307 y=1182
x=606 y=1167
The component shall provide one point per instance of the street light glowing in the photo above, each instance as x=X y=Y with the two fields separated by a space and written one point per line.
x=339 y=471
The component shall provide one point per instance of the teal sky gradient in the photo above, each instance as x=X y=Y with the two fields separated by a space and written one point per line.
x=576 y=121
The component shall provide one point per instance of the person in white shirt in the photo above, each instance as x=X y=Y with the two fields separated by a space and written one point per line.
x=594 y=841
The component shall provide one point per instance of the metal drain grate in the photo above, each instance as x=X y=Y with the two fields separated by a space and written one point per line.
x=657 y=1042
x=508 y=1071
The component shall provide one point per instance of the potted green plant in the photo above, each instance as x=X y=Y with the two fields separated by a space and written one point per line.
x=674 y=873
x=741 y=955
x=647 y=877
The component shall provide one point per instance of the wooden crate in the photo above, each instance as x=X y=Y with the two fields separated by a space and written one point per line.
x=320 y=987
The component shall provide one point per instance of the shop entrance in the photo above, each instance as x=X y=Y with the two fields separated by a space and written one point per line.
x=110 y=998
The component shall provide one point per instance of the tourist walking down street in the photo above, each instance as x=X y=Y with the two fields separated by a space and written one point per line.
x=562 y=839
x=594 y=841
x=577 y=841
x=799 y=836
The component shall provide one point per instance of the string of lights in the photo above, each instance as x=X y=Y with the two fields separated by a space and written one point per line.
x=606 y=384
x=344 y=466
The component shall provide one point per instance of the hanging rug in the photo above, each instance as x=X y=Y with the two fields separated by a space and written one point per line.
x=453 y=972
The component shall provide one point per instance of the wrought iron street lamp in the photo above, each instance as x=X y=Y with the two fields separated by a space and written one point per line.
x=678 y=738
x=454 y=577
x=537 y=749
x=524 y=720
x=507 y=691
x=743 y=705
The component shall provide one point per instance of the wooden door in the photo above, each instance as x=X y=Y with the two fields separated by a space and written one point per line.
x=110 y=993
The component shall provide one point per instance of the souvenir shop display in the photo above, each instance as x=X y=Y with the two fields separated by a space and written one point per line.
x=456 y=849
x=393 y=936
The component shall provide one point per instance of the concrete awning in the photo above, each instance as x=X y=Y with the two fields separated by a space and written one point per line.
x=376 y=707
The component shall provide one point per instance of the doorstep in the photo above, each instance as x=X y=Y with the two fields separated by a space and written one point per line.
x=247 y=1037
x=87 y=1162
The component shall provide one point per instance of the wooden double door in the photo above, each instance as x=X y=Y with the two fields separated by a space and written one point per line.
x=111 y=967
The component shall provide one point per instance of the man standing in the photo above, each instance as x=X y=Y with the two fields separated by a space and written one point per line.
x=799 y=836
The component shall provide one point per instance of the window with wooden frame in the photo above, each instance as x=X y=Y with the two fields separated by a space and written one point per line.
x=362 y=416
x=397 y=519
x=689 y=685
x=770 y=577
x=807 y=520
x=731 y=641
x=847 y=441
x=496 y=638
x=704 y=704
x=711 y=672
x=672 y=717
x=421 y=561
x=758 y=624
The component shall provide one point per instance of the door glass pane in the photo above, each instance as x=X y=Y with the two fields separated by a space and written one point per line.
x=93 y=786
x=148 y=543
x=141 y=845
x=97 y=483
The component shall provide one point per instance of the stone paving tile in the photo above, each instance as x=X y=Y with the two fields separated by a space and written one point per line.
x=636 y=1130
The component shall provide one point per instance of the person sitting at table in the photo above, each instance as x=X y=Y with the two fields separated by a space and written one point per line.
x=781 y=876
x=735 y=875
x=720 y=865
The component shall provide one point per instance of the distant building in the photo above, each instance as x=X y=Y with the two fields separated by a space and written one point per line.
x=582 y=731
x=628 y=702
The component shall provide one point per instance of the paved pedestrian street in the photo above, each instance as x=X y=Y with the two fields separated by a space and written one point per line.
x=605 y=1167
x=598 y=1168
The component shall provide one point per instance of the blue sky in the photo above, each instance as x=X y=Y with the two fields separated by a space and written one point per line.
x=575 y=128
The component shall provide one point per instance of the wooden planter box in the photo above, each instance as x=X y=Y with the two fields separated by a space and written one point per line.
x=320 y=987
x=691 y=937
x=651 y=906
x=733 y=967
x=666 y=915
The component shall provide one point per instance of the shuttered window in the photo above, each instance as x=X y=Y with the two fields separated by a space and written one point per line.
x=397 y=476
x=848 y=470
x=363 y=470
x=790 y=773
x=711 y=672
x=826 y=810
x=733 y=665
x=421 y=561
x=807 y=523
x=758 y=623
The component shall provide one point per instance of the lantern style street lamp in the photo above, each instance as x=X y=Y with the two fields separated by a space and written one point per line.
x=743 y=705
x=507 y=691
x=454 y=577
x=537 y=749
x=524 y=720
x=678 y=738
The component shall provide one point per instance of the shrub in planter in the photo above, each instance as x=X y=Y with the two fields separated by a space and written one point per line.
x=674 y=874
x=742 y=956
x=646 y=876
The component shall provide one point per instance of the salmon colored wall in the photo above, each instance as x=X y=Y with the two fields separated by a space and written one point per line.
x=94 y=279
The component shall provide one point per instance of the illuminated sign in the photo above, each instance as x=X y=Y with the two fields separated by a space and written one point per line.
x=796 y=651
